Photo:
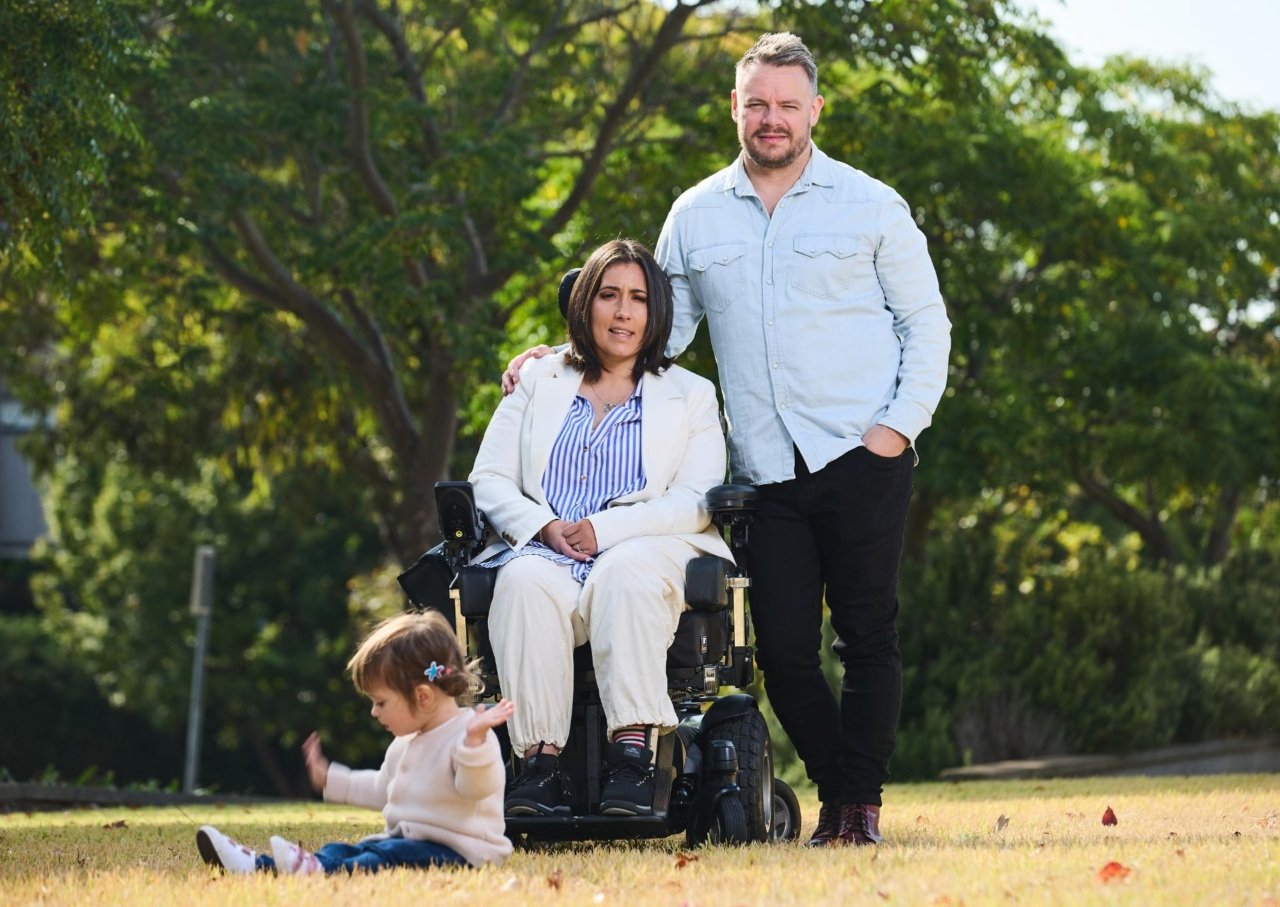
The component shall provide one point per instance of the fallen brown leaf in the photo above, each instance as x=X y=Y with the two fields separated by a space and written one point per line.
x=1114 y=872
x=1109 y=817
x=684 y=859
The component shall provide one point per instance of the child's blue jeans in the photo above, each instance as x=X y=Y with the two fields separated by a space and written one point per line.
x=371 y=856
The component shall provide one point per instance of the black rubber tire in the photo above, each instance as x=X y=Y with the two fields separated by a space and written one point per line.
x=786 y=813
x=750 y=736
x=729 y=824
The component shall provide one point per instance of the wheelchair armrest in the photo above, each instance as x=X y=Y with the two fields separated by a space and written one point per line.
x=730 y=499
x=476 y=585
x=704 y=583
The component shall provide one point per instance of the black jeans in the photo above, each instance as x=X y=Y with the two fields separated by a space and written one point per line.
x=837 y=531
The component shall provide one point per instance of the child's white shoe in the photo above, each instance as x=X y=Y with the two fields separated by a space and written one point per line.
x=294 y=860
x=219 y=850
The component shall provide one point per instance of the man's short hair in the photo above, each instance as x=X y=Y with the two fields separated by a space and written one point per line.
x=779 y=49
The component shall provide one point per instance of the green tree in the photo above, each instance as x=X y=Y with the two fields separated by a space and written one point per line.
x=117 y=591
x=1107 y=245
x=58 y=62
x=336 y=211
x=361 y=193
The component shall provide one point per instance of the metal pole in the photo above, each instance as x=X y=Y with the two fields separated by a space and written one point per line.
x=201 y=603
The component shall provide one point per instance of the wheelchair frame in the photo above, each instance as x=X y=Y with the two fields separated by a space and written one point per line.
x=703 y=787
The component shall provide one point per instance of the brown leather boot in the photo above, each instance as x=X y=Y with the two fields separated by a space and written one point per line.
x=859 y=824
x=828 y=830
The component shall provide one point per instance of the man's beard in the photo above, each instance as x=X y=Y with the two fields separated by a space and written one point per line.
x=780 y=158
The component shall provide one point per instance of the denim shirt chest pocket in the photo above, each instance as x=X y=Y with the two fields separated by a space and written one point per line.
x=718 y=274
x=834 y=266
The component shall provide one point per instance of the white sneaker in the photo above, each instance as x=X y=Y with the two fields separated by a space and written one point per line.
x=294 y=860
x=219 y=850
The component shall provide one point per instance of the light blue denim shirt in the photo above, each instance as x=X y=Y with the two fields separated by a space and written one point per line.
x=825 y=318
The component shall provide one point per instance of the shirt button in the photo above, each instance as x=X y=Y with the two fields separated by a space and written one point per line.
x=775 y=365
x=770 y=280
x=770 y=244
x=770 y=324
x=584 y=477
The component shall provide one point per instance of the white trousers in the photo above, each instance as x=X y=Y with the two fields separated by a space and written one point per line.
x=627 y=609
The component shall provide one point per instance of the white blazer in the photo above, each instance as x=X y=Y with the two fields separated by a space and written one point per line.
x=682 y=450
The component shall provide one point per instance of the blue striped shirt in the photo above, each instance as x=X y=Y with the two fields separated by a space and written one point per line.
x=588 y=468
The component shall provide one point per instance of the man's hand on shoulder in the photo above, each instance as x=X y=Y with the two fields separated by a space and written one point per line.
x=511 y=377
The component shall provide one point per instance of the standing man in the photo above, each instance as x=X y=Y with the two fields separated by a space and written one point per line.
x=831 y=340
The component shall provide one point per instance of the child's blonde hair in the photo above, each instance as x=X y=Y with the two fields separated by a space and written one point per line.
x=400 y=653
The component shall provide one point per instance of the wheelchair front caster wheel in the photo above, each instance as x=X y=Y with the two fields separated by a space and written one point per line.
x=729 y=823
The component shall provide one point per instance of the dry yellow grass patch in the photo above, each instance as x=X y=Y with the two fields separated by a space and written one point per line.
x=1213 y=840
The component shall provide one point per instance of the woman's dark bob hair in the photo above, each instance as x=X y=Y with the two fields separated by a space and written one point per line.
x=653 y=356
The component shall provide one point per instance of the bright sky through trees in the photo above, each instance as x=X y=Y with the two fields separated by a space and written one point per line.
x=1234 y=39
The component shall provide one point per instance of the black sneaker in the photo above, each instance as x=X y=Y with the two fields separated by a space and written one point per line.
x=628 y=785
x=540 y=789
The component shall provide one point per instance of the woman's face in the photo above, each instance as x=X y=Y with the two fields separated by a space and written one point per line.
x=619 y=315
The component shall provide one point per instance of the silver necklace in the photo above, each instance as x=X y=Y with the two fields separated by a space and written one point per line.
x=606 y=404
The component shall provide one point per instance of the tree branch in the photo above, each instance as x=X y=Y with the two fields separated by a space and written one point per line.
x=1219 y=543
x=372 y=332
x=515 y=85
x=1153 y=534
x=358 y=122
x=410 y=72
x=384 y=391
x=642 y=71
x=358 y=129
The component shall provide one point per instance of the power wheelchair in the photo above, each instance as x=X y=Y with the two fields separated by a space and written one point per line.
x=715 y=778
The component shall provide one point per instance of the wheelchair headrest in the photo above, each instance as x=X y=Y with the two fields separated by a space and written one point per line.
x=566 y=287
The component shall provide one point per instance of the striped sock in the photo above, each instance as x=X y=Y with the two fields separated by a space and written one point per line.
x=637 y=734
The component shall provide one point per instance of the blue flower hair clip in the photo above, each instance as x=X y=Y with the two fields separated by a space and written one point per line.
x=435 y=671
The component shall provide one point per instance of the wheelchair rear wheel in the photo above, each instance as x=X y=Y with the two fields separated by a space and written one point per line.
x=786 y=813
x=750 y=736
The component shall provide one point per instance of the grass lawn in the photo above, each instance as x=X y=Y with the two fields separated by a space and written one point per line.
x=1202 y=840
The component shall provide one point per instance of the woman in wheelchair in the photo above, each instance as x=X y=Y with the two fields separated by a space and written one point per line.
x=593 y=473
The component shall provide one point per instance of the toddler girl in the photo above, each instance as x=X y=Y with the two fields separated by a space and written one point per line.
x=441 y=782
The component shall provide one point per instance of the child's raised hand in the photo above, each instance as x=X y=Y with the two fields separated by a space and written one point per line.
x=486 y=718
x=317 y=764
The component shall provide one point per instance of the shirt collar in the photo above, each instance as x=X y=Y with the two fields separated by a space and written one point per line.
x=818 y=172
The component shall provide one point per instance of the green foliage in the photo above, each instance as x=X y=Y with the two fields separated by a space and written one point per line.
x=59 y=62
x=1102 y=649
x=57 y=720
x=318 y=231
x=1023 y=636
x=332 y=214
x=1236 y=656
x=116 y=599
